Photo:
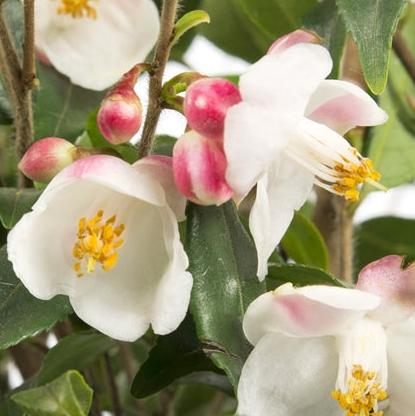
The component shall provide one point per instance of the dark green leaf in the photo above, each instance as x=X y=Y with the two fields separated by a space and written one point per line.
x=304 y=244
x=76 y=351
x=223 y=263
x=61 y=108
x=163 y=145
x=372 y=24
x=14 y=203
x=21 y=314
x=299 y=275
x=68 y=395
x=174 y=356
x=381 y=237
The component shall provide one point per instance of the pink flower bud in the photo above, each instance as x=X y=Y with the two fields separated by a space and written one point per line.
x=120 y=116
x=47 y=157
x=206 y=104
x=199 y=167
x=291 y=39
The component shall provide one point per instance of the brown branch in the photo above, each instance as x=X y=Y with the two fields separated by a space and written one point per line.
x=113 y=390
x=168 y=17
x=29 y=68
x=404 y=54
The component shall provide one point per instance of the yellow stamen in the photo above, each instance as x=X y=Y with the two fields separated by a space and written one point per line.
x=77 y=9
x=351 y=175
x=363 y=394
x=97 y=242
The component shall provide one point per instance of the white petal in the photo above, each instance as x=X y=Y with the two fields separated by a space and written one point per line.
x=285 y=81
x=306 y=312
x=287 y=376
x=253 y=138
x=282 y=190
x=401 y=363
x=342 y=105
x=95 y=53
x=160 y=169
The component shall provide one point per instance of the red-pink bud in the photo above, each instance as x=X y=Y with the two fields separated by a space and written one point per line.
x=199 y=167
x=206 y=104
x=47 y=157
x=291 y=39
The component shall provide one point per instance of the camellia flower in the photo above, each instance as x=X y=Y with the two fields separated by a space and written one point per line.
x=94 y=42
x=331 y=351
x=104 y=234
x=286 y=135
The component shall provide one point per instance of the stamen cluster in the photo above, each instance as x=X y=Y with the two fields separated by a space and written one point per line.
x=77 y=9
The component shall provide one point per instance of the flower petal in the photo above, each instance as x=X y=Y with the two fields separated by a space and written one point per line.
x=395 y=285
x=285 y=81
x=94 y=53
x=287 y=376
x=342 y=105
x=306 y=312
x=274 y=206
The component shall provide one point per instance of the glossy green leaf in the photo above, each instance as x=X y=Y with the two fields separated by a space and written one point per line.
x=381 y=237
x=299 y=275
x=21 y=314
x=61 y=108
x=68 y=395
x=223 y=263
x=188 y=21
x=14 y=203
x=174 y=356
x=372 y=24
x=304 y=243
x=76 y=351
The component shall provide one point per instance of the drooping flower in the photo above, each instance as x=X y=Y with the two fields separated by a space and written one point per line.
x=103 y=233
x=330 y=351
x=95 y=42
x=286 y=135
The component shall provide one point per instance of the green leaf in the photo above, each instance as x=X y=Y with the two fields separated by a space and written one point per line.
x=163 y=145
x=299 y=275
x=21 y=314
x=372 y=24
x=68 y=395
x=61 y=108
x=14 y=203
x=174 y=356
x=189 y=21
x=381 y=237
x=304 y=243
x=76 y=351
x=223 y=263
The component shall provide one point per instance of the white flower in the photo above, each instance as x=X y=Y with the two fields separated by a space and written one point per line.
x=94 y=42
x=285 y=136
x=103 y=234
x=330 y=351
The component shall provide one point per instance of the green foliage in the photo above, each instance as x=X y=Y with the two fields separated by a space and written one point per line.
x=22 y=315
x=163 y=145
x=189 y=21
x=223 y=264
x=14 y=203
x=372 y=24
x=68 y=395
x=304 y=243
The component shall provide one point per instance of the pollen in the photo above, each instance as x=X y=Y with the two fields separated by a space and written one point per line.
x=363 y=394
x=97 y=242
x=350 y=175
x=77 y=9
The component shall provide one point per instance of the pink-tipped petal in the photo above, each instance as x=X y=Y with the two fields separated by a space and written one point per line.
x=291 y=39
x=306 y=312
x=394 y=284
x=199 y=166
x=342 y=105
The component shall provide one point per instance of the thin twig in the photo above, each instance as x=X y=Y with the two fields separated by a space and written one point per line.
x=404 y=54
x=29 y=69
x=168 y=17
x=115 y=398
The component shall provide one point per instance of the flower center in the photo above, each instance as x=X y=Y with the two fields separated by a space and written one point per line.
x=363 y=394
x=97 y=242
x=77 y=9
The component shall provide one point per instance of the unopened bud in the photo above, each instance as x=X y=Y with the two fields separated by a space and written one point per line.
x=47 y=157
x=293 y=38
x=206 y=104
x=199 y=167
